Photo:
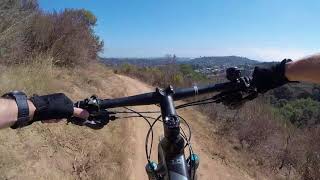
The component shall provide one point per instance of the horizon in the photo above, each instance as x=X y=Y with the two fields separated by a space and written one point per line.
x=190 y=58
x=264 y=30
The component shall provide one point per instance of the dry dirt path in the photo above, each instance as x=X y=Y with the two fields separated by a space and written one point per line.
x=210 y=168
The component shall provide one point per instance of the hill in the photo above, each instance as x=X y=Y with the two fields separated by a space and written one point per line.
x=196 y=62
x=221 y=61
x=143 y=62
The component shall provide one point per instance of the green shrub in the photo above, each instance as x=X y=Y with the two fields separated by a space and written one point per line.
x=177 y=79
x=127 y=68
x=302 y=112
x=189 y=73
x=186 y=69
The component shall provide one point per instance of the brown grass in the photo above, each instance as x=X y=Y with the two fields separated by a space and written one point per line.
x=67 y=35
x=34 y=77
x=58 y=151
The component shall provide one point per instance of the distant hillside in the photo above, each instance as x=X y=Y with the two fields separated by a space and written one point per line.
x=197 y=62
x=136 y=61
x=221 y=61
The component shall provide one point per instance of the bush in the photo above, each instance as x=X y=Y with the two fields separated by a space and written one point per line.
x=169 y=74
x=66 y=36
x=302 y=112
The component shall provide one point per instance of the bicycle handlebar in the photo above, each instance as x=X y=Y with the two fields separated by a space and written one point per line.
x=154 y=97
x=233 y=93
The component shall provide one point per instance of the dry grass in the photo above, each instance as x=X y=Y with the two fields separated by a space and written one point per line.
x=35 y=77
x=26 y=31
x=58 y=151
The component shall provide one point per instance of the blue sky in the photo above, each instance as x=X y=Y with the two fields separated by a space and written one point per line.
x=259 y=29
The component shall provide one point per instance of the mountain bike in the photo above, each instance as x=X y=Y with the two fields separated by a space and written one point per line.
x=172 y=162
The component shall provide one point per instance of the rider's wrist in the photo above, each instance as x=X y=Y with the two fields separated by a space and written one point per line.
x=283 y=68
x=32 y=109
x=288 y=72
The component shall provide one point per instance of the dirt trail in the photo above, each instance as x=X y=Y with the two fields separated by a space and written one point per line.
x=210 y=167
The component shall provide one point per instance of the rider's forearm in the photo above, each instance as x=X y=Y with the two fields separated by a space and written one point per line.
x=305 y=70
x=9 y=112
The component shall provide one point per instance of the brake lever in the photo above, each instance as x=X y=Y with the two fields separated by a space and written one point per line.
x=234 y=100
x=97 y=119
x=243 y=92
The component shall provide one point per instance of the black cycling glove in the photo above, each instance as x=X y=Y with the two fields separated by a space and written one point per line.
x=265 y=79
x=53 y=106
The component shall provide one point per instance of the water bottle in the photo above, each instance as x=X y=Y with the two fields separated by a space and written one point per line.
x=151 y=170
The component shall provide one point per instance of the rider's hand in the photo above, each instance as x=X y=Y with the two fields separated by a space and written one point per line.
x=77 y=112
x=265 y=79
x=53 y=107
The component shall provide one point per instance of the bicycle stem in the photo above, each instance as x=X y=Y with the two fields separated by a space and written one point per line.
x=171 y=122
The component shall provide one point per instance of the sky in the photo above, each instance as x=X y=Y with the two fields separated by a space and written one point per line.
x=259 y=29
